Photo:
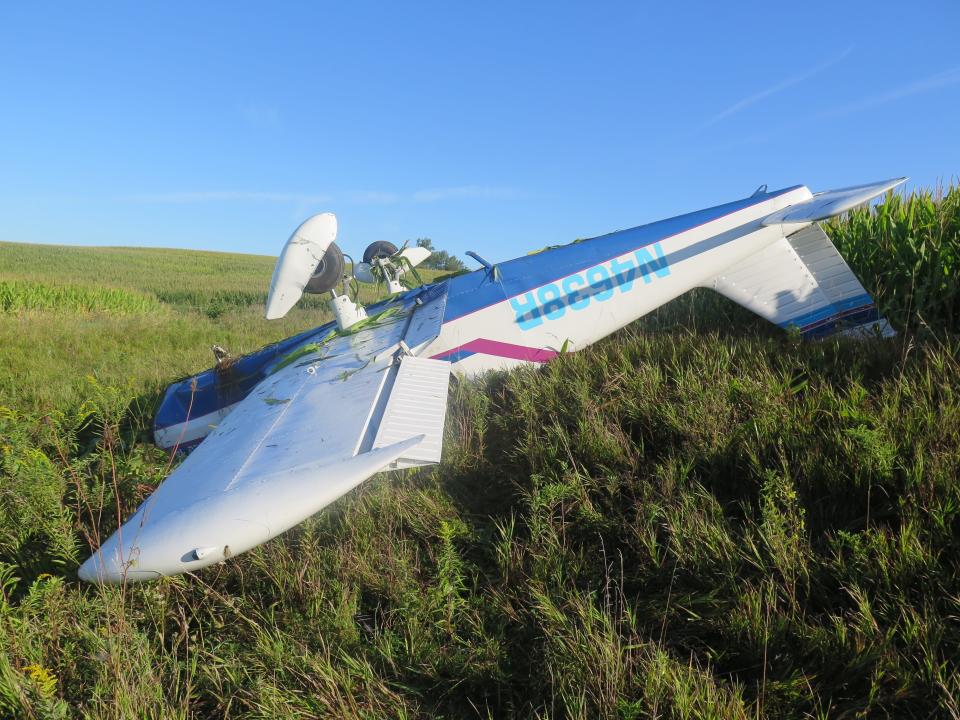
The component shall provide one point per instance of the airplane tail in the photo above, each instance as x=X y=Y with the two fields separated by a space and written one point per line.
x=801 y=280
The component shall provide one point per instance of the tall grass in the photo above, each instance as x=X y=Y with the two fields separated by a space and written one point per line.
x=698 y=517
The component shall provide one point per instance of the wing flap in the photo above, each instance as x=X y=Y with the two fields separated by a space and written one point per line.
x=417 y=406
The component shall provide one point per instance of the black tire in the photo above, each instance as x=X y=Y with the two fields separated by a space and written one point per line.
x=378 y=249
x=328 y=273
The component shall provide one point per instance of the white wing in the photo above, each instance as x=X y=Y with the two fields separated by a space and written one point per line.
x=331 y=415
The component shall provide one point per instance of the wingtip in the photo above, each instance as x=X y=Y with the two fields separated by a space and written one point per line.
x=892 y=184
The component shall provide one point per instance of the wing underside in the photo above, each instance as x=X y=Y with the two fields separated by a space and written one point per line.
x=331 y=414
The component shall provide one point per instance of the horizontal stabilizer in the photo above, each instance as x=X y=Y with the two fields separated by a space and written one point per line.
x=833 y=202
x=802 y=281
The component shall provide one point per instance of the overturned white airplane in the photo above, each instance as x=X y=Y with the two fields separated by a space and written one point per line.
x=289 y=429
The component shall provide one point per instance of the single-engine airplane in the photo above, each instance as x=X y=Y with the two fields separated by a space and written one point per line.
x=287 y=430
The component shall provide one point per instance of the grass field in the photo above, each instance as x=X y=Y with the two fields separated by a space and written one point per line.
x=698 y=517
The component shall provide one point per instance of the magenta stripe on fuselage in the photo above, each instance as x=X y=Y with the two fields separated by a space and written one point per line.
x=498 y=349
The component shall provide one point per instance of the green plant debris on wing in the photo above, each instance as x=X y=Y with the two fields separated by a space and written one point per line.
x=347 y=374
x=315 y=347
x=294 y=355
x=372 y=321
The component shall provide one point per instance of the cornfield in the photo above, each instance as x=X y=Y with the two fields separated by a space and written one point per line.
x=906 y=251
x=18 y=295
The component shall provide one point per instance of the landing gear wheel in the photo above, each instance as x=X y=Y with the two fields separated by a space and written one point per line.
x=328 y=273
x=378 y=249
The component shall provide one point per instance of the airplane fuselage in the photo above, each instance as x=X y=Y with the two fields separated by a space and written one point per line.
x=528 y=309
x=298 y=424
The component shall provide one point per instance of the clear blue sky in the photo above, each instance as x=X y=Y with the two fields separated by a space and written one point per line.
x=486 y=126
